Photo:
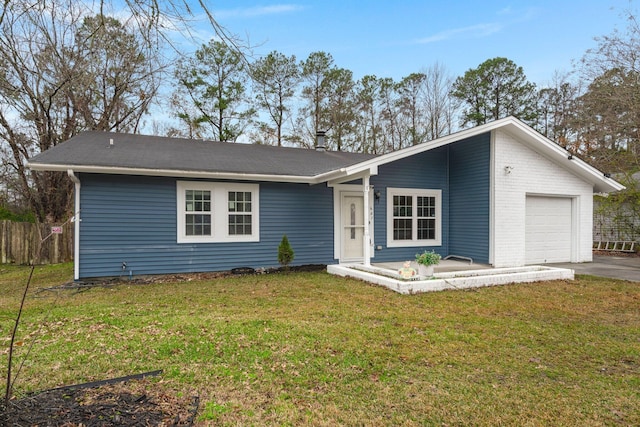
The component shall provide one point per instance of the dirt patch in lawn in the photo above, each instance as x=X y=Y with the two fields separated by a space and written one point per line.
x=131 y=403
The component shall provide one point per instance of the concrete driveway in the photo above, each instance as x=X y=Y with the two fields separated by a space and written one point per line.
x=615 y=267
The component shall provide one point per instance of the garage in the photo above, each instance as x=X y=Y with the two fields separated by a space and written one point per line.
x=548 y=229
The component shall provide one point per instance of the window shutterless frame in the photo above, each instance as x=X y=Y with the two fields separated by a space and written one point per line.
x=414 y=217
x=211 y=212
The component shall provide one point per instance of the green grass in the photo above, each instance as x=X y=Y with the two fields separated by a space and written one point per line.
x=313 y=349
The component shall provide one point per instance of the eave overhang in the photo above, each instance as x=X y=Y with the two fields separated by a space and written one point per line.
x=311 y=180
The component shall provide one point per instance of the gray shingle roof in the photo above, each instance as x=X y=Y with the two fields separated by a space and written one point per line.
x=93 y=149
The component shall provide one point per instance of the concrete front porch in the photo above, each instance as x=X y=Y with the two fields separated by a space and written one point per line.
x=449 y=274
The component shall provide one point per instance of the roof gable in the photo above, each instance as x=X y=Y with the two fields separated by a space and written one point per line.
x=523 y=133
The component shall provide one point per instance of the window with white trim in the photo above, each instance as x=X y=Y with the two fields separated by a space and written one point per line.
x=217 y=212
x=413 y=217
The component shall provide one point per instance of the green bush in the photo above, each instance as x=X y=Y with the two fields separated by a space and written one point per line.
x=285 y=252
x=8 y=215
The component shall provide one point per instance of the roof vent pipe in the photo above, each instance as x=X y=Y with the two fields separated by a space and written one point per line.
x=110 y=143
x=320 y=141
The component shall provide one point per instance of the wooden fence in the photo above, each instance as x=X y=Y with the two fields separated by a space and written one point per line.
x=20 y=243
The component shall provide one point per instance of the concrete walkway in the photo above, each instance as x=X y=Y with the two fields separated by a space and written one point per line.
x=615 y=267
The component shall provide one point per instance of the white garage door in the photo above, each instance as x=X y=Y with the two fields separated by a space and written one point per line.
x=548 y=230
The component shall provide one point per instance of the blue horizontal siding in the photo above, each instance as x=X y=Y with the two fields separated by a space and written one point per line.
x=427 y=170
x=469 y=179
x=132 y=219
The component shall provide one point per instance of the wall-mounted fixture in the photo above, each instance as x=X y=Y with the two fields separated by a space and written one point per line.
x=508 y=169
x=376 y=195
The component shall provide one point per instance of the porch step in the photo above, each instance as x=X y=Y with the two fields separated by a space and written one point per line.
x=617 y=246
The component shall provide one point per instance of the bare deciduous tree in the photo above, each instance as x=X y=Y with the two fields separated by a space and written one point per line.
x=607 y=117
x=68 y=66
x=556 y=109
x=440 y=107
x=389 y=114
x=411 y=92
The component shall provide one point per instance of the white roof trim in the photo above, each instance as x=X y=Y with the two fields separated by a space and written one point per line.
x=524 y=133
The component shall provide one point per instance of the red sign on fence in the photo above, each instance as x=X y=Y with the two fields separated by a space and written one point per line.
x=56 y=229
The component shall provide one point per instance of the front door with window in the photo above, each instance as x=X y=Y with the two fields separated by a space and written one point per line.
x=352 y=218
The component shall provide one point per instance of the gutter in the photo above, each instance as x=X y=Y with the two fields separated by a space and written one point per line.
x=181 y=173
x=76 y=224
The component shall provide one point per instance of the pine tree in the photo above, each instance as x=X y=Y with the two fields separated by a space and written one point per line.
x=285 y=252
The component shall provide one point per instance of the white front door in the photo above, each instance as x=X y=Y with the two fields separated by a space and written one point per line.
x=352 y=219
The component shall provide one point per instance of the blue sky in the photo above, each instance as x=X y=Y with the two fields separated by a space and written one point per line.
x=393 y=38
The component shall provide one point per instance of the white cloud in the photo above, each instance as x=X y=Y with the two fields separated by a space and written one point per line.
x=252 y=12
x=473 y=31
x=520 y=15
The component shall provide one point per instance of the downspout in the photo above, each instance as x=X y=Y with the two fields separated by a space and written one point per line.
x=76 y=221
x=366 y=240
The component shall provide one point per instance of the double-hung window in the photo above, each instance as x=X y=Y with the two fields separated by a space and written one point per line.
x=217 y=212
x=413 y=217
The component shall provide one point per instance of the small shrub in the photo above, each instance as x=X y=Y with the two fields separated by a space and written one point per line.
x=285 y=252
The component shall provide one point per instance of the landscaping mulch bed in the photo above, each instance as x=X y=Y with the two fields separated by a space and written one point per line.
x=173 y=278
x=131 y=403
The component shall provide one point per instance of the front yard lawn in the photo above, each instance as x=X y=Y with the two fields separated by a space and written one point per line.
x=314 y=349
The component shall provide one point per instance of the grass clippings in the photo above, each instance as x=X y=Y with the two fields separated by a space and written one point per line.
x=308 y=348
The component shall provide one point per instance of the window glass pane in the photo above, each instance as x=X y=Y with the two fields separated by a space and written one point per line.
x=402 y=206
x=239 y=225
x=426 y=229
x=197 y=225
x=402 y=229
x=197 y=201
x=426 y=206
x=239 y=201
